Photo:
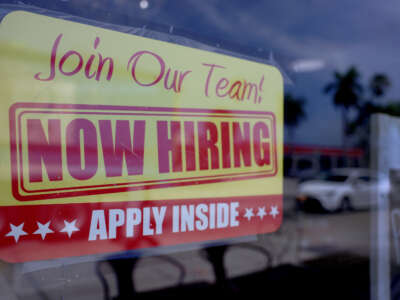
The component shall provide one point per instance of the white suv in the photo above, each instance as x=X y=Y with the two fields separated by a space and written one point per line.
x=341 y=189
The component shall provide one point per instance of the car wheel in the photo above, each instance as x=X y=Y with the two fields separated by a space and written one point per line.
x=345 y=204
x=313 y=205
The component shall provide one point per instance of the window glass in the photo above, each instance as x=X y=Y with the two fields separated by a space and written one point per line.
x=177 y=148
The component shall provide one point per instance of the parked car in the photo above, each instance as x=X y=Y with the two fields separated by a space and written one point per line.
x=341 y=189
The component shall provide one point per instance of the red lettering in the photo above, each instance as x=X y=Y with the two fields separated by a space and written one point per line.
x=249 y=87
x=237 y=85
x=88 y=67
x=262 y=153
x=210 y=72
x=222 y=84
x=52 y=61
x=208 y=137
x=237 y=144
x=173 y=84
x=239 y=89
x=134 y=60
x=78 y=168
x=46 y=150
x=226 y=145
x=182 y=76
x=64 y=59
x=167 y=145
x=241 y=143
x=260 y=88
x=102 y=62
x=176 y=86
x=190 y=153
x=124 y=146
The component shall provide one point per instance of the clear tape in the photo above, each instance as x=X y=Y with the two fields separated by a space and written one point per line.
x=167 y=36
x=162 y=36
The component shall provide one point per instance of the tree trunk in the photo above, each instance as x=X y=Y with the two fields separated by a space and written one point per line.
x=344 y=128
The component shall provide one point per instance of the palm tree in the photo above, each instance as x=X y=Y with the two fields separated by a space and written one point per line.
x=294 y=113
x=346 y=91
x=378 y=85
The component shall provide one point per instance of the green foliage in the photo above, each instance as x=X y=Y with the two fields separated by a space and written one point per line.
x=346 y=88
x=347 y=92
x=294 y=111
x=378 y=84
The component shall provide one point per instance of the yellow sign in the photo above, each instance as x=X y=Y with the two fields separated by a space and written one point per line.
x=114 y=142
x=185 y=114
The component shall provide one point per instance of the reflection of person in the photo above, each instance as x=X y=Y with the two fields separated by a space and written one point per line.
x=216 y=256
x=123 y=264
x=123 y=269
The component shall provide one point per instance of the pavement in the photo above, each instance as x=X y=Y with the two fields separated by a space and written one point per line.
x=286 y=257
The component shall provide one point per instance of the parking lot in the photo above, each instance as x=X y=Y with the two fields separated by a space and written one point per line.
x=303 y=237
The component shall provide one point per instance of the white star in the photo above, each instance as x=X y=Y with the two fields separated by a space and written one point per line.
x=249 y=213
x=16 y=231
x=43 y=229
x=261 y=212
x=274 y=211
x=69 y=227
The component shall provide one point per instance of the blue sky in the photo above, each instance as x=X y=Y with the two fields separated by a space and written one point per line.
x=336 y=34
x=339 y=34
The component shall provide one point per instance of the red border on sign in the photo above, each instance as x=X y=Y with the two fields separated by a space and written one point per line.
x=16 y=148
x=31 y=246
